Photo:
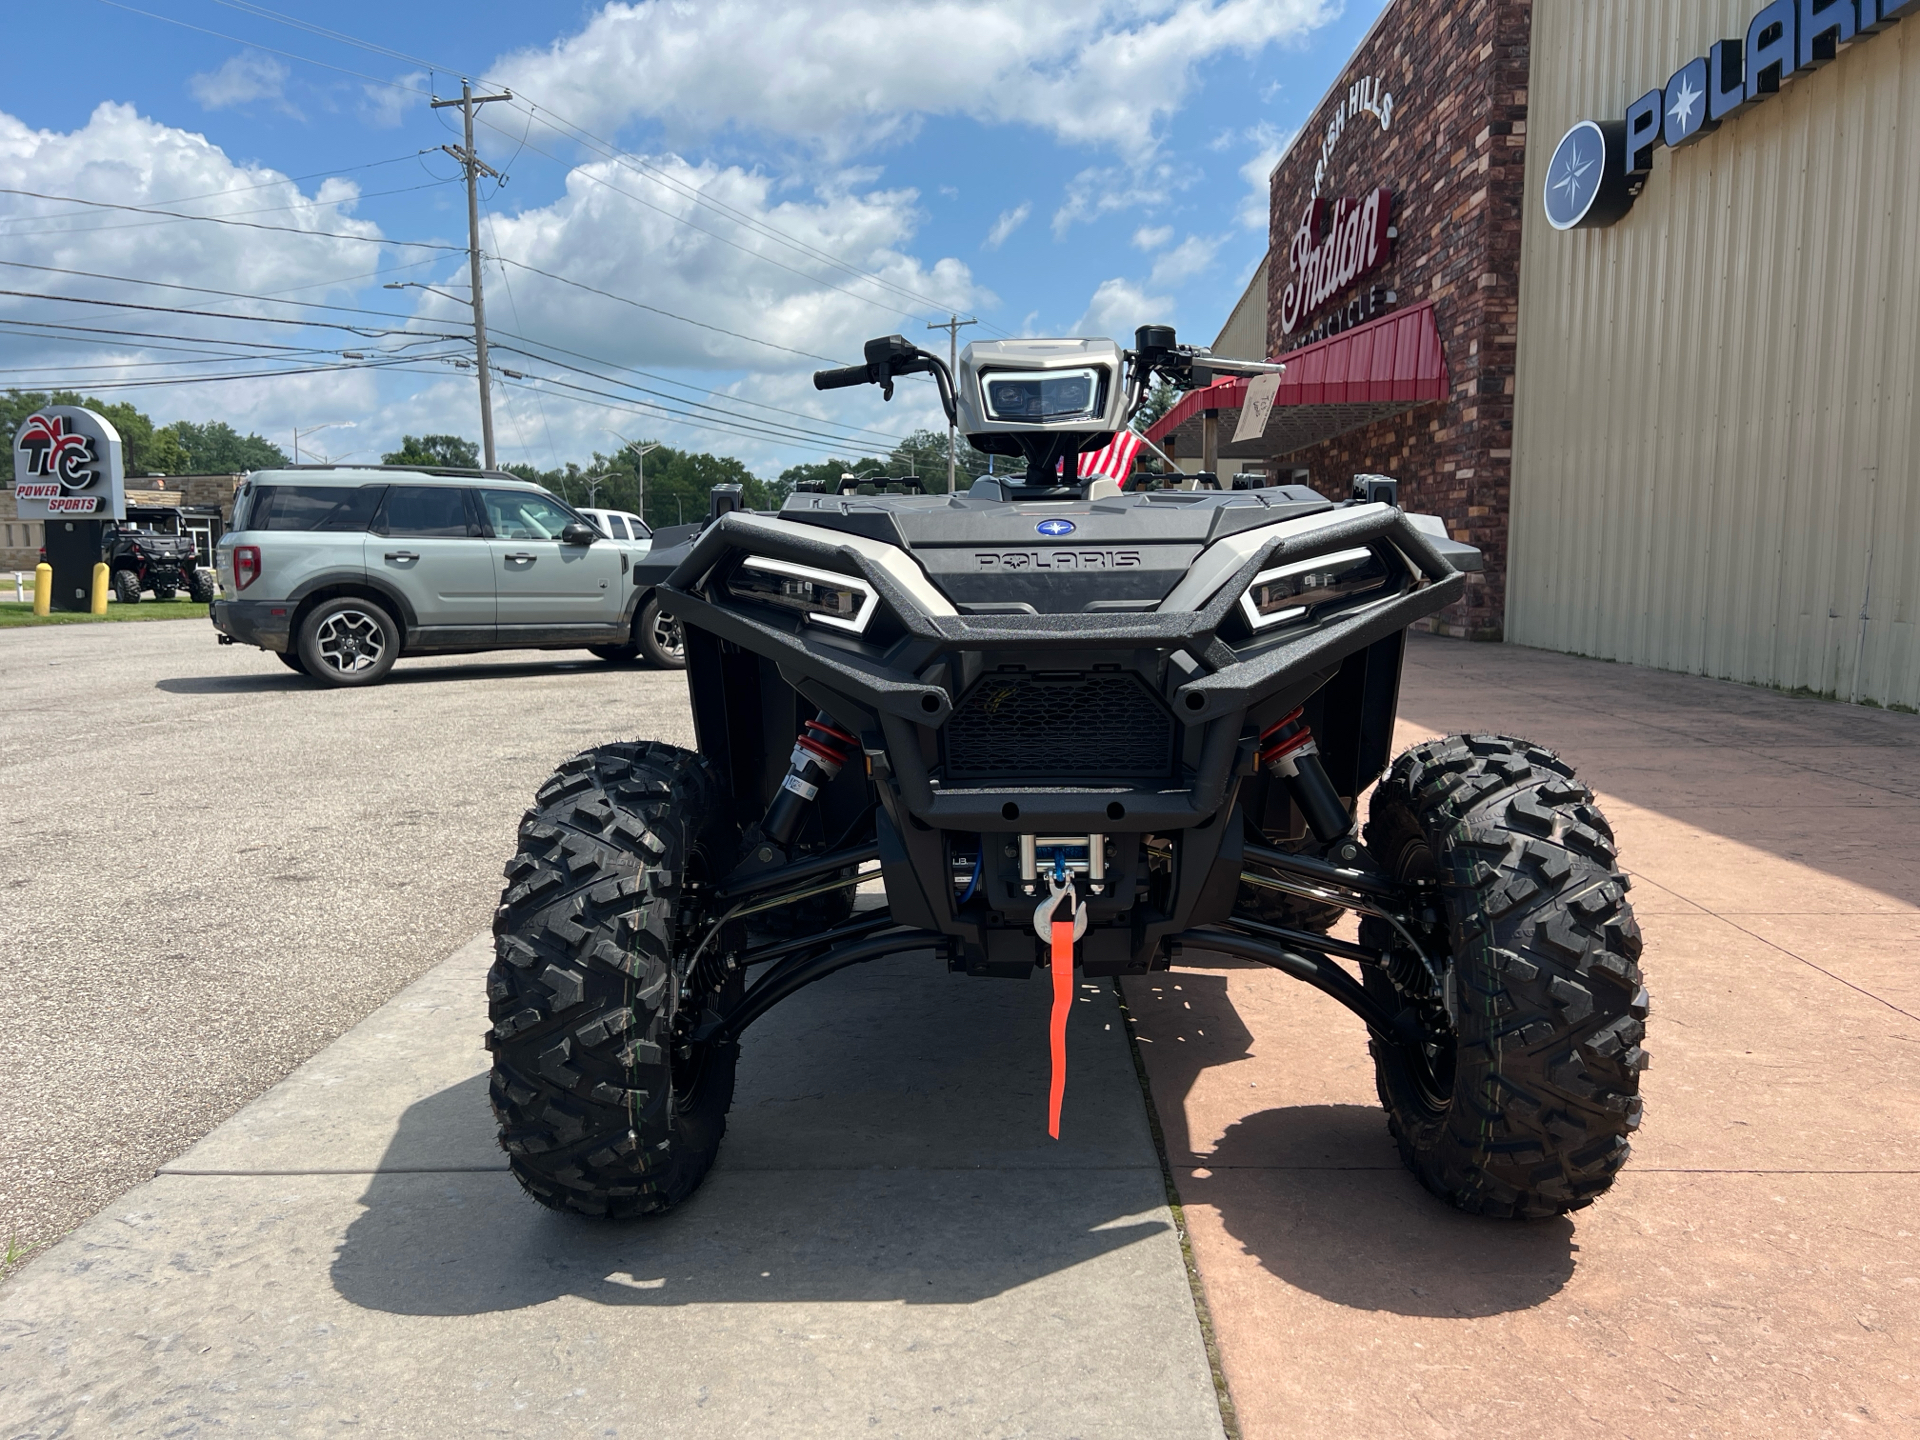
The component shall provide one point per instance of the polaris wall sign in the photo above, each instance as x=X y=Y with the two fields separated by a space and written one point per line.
x=66 y=465
x=1600 y=167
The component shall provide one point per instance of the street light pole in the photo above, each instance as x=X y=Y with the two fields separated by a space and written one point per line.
x=475 y=167
x=952 y=327
x=315 y=430
x=640 y=453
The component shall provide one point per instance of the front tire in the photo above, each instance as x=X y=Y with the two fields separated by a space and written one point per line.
x=660 y=638
x=604 y=1106
x=348 y=641
x=1521 y=1103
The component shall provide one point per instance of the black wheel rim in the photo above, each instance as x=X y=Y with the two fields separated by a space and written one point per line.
x=1430 y=1065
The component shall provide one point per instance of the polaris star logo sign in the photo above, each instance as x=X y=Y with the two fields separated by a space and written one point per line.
x=1600 y=167
x=66 y=462
x=1054 y=529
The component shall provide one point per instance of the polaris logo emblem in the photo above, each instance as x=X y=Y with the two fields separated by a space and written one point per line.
x=1057 y=559
x=1055 y=528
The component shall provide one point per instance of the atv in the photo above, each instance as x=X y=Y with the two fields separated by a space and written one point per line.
x=146 y=559
x=1065 y=727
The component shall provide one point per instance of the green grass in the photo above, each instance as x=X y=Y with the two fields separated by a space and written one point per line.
x=13 y=613
x=14 y=1254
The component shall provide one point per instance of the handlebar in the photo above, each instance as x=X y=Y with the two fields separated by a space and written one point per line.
x=842 y=378
x=888 y=357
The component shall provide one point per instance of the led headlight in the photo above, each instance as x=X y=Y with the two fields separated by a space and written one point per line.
x=1288 y=593
x=843 y=602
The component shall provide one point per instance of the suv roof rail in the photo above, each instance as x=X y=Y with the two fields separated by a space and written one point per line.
x=415 y=470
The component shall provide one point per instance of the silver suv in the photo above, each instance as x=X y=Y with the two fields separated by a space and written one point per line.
x=341 y=570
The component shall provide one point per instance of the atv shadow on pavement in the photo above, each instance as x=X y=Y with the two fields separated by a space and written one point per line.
x=1315 y=1192
x=887 y=1143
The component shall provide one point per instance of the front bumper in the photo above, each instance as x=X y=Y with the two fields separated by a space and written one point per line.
x=1220 y=698
x=254 y=622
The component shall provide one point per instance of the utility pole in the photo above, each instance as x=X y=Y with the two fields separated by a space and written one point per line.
x=952 y=326
x=475 y=168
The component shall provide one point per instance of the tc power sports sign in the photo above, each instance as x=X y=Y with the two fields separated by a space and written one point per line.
x=1600 y=166
x=67 y=465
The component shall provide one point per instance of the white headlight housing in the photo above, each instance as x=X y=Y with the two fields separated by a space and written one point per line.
x=825 y=597
x=1289 y=592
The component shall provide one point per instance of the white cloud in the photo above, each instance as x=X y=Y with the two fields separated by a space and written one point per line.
x=1152 y=237
x=385 y=106
x=1270 y=144
x=1104 y=189
x=1119 y=307
x=1009 y=221
x=119 y=157
x=599 y=236
x=1186 y=260
x=244 y=78
x=846 y=78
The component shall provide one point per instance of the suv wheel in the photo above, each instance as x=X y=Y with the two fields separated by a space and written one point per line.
x=126 y=587
x=660 y=638
x=348 y=641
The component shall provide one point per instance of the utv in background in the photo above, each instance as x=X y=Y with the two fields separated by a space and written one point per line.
x=141 y=557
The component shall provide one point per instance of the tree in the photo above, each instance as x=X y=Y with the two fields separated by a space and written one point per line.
x=1162 y=398
x=142 y=450
x=445 y=451
x=216 y=448
x=924 y=454
x=828 y=472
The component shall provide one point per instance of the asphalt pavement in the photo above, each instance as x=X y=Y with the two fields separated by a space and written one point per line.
x=211 y=868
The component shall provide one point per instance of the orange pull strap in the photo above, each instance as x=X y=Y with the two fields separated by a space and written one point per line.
x=1062 y=1008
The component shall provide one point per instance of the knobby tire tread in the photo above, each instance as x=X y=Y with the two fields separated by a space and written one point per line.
x=584 y=988
x=1546 y=951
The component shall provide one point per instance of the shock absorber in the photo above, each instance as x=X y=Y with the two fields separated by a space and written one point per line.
x=819 y=753
x=1288 y=752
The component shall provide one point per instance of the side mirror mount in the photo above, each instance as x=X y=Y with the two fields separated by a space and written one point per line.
x=578 y=533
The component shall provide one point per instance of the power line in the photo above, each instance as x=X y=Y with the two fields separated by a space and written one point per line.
x=141 y=224
x=222 y=220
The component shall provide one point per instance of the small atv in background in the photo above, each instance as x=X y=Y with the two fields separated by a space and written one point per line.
x=141 y=558
x=1067 y=727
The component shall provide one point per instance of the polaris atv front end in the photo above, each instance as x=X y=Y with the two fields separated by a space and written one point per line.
x=1067 y=727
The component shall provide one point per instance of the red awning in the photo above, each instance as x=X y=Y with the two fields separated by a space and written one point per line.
x=1342 y=383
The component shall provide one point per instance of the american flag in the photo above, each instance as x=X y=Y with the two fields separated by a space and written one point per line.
x=1114 y=461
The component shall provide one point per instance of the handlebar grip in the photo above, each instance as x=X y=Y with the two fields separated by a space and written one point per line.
x=840 y=379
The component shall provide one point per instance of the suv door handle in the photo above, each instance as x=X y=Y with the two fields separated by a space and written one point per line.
x=519 y=555
x=403 y=555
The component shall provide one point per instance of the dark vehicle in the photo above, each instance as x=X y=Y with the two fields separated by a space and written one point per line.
x=143 y=557
x=1067 y=727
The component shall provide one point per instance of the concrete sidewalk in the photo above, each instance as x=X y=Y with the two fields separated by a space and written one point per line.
x=1756 y=1269
x=890 y=1245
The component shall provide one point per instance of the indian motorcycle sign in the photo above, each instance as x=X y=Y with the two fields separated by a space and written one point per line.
x=1338 y=243
x=67 y=463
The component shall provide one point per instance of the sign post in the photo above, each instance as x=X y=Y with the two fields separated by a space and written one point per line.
x=68 y=470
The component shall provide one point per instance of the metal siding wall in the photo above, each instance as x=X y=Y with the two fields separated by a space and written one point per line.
x=1715 y=423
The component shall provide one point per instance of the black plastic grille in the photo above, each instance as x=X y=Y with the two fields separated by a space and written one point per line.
x=1052 y=728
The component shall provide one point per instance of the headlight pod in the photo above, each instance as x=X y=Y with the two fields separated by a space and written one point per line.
x=842 y=602
x=1278 y=596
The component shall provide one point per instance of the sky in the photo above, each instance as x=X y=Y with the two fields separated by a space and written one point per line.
x=702 y=203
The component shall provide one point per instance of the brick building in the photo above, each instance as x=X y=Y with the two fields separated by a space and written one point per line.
x=1395 y=243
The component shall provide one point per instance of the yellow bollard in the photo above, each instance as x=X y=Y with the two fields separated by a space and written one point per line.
x=100 y=587
x=42 y=588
